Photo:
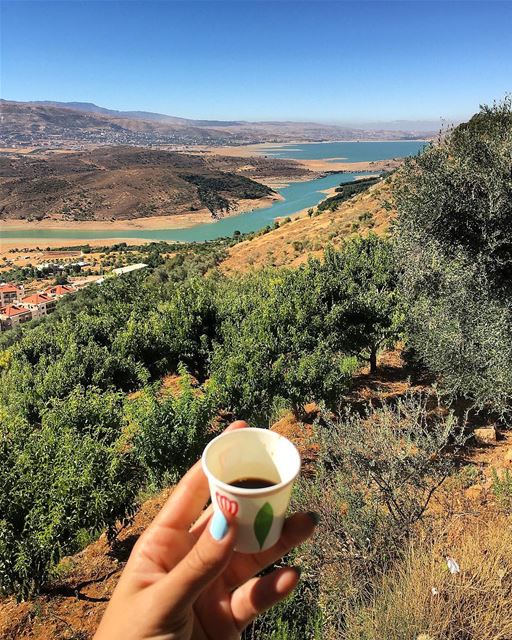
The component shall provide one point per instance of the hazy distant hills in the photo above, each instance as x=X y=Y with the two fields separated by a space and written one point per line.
x=89 y=107
x=32 y=124
x=78 y=124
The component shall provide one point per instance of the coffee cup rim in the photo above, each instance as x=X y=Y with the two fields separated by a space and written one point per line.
x=275 y=488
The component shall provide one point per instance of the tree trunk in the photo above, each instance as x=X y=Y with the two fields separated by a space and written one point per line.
x=373 y=360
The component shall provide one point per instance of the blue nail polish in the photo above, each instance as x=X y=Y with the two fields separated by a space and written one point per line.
x=219 y=525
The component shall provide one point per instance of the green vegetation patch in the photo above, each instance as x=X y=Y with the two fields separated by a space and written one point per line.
x=83 y=425
x=454 y=247
x=345 y=192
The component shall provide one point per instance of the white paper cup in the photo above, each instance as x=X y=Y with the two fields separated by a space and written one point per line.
x=252 y=453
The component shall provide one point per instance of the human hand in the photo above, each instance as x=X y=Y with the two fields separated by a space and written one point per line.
x=184 y=581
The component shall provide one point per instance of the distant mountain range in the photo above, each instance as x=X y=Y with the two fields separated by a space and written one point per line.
x=90 y=107
x=79 y=124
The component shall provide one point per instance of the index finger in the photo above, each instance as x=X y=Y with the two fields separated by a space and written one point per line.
x=187 y=500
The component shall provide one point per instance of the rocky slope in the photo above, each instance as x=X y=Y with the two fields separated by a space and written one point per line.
x=122 y=183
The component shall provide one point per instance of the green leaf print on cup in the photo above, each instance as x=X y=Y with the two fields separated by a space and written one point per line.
x=263 y=522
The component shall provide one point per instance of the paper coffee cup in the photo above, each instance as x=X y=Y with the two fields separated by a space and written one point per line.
x=252 y=453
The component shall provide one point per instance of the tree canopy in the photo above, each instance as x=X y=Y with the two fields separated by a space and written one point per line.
x=454 y=248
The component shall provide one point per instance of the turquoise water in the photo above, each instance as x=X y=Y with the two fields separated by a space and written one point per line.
x=297 y=196
x=349 y=151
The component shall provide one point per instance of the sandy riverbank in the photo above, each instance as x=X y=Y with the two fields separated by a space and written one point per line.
x=329 y=165
x=317 y=166
x=155 y=223
x=58 y=243
x=178 y=221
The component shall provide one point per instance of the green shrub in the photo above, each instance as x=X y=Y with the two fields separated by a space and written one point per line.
x=366 y=310
x=454 y=248
x=366 y=216
x=273 y=342
x=502 y=489
x=402 y=458
x=297 y=618
x=375 y=474
x=170 y=432
x=56 y=482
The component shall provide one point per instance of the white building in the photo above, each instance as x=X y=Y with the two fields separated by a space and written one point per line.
x=131 y=267
x=12 y=315
x=40 y=304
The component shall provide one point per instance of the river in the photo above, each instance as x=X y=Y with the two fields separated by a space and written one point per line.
x=297 y=196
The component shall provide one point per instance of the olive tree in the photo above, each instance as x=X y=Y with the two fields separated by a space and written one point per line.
x=454 y=249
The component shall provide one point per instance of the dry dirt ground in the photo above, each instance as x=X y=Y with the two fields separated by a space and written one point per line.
x=71 y=607
x=294 y=242
x=10 y=259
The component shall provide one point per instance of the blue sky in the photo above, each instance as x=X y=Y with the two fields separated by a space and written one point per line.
x=324 y=61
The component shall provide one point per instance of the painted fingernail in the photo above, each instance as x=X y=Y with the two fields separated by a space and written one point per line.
x=297 y=570
x=219 y=525
x=314 y=516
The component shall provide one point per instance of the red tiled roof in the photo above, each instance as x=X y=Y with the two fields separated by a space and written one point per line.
x=60 y=289
x=12 y=310
x=37 y=298
x=9 y=288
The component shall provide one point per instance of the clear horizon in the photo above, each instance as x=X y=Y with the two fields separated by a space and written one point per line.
x=343 y=63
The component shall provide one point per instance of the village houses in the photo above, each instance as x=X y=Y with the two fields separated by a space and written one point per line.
x=16 y=308
x=59 y=290
x=12 y=315
x=9 y=293
x=41 y=304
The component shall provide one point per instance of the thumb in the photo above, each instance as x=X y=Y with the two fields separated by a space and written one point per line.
x=205 y=561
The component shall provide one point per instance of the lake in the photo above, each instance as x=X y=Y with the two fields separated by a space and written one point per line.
x=347 y=151
x=297 y=196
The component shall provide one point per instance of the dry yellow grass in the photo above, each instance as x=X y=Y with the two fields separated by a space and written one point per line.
x=294 y=242
x=422 y=599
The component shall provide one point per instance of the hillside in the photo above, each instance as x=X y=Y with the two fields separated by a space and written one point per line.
x=47 y=124
x=72 y=604
x=122 y=183
x=70 y=124
x=387 y=361
x=293 y=242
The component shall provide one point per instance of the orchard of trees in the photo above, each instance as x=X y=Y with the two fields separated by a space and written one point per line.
x=78 y=446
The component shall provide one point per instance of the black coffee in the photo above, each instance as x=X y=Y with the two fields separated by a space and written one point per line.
x=252 y=483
